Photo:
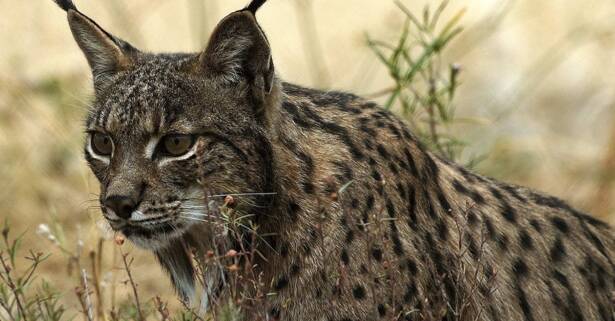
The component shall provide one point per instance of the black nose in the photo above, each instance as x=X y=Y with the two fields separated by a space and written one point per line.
x=122 y=206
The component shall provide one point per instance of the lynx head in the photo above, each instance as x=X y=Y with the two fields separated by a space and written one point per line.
x=165 y=131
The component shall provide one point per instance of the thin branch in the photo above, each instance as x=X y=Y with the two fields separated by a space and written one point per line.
x=13 y=287
x=132 y=284
x=87 y=301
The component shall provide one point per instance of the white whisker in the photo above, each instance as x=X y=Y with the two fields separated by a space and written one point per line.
x=198 y=214
x=242 y=194
x=195 y=219
x=201 y=219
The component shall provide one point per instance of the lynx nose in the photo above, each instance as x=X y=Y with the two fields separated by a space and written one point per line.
x=122 y=206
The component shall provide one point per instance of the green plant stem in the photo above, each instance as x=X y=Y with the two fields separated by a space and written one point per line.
x=7 y=309
x=13 y=288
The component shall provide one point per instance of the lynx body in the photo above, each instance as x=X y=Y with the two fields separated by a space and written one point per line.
x=358 y=220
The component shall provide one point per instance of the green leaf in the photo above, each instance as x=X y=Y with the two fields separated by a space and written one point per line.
x=452 y=24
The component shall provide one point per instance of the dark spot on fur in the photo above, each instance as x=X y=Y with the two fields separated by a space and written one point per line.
x=390 y=209
x=561 y=278
x=345 y=171
x=490 y=228
x=474 y=252
x=401 y=190
x=524 y=304
x=274 y=313
x=432 y=167
x=525 y=240
x=474 y=195
x=382 y=151
x=345 y=258
x=369 y=145
x=412 y=268
x=295 y=115
x=503 y=242
x=442 y=230
x=349 y=236
x=430 y=209
x=394 y=168
x=472 y=218
x=377 y=254
x=294 y=269
x=536 y=225
x=369 y=205
x=558 y=251
x=560 y=224
x=358 y=292
x=520 y=268
x=376 y=175
x=446 y=206
x=284 y=250
x=411 y=199
x=363 y=269
x=513 y=192
x=281 y=283
x=334 y=129
x=411 y=163
x=410 y=292
x=508 y=212
x=293 y=208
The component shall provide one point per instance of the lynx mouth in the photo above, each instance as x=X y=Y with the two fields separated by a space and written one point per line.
x=165 y=228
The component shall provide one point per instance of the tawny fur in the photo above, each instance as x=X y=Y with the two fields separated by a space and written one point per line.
x=411 y=236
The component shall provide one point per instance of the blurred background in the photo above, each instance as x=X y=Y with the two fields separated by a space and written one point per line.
x=534 y=102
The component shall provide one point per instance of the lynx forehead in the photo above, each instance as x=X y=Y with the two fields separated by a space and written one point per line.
x=412 y=237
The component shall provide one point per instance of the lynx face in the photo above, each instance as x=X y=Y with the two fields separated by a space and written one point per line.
x=169 y=135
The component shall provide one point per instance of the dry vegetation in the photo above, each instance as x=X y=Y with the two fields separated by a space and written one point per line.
x=523 y=94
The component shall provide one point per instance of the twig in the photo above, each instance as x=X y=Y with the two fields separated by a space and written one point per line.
x=132 y=284
x=7 y=309
x=96 y=280
x=162 y=308
x=13 y=287
x=87 y=301
x=113 y=277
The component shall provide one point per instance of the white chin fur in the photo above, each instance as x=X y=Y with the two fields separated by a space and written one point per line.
x=158 y=242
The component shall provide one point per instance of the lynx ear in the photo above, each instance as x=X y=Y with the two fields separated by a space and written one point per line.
x=238 y=51
x=105 y=53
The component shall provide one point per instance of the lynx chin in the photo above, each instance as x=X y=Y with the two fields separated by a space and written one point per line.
x=412 y=236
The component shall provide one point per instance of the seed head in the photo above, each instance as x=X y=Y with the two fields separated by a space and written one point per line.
x=229 y=201
x=119 y=239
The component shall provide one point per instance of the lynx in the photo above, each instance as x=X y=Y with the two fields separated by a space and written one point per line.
x=356 y=220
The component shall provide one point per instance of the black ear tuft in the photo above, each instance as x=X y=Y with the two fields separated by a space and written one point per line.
x=66 y=4
x=255 y=5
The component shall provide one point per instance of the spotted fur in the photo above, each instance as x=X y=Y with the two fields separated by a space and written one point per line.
x=411 y=236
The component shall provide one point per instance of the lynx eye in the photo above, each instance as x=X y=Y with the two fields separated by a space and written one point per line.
x=101 y=144
x=176 y=145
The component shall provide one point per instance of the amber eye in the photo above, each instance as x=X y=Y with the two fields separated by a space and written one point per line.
x=176 y=145
x=102 y=144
